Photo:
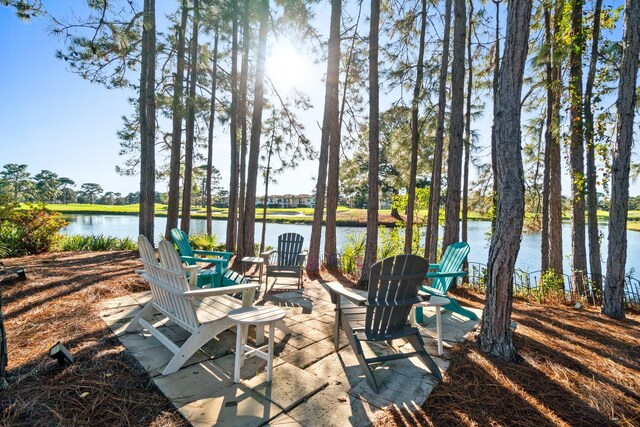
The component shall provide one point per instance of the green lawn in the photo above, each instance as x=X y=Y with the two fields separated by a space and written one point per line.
x=282 y=215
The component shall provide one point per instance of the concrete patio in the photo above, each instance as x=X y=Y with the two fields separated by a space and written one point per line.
x=312 y=384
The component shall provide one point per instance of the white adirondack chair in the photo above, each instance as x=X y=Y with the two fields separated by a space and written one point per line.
x=202 y=312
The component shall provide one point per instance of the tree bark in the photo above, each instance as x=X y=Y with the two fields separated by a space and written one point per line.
x=330 y=115
x=147 y=109
x=496 y=75
x=371 y=247
x=544 y=234
x=267 y=174
x=256 y=132
x=613 y=293
x=415 y=133
x=212 y=115
x=233 y=132
x=433 y=215
x=495 y=336
x=595 y=263
x=173 y=203
x=555 y=155
x=467 y=142
x=189 y=142
x=576 y=152
x=242 y=118
x=456 y=128
x=330 y=245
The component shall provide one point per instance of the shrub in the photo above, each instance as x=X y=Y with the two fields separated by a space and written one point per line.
x=205 y=242
x=95 y=243
x=353 y=249
x=30 y=231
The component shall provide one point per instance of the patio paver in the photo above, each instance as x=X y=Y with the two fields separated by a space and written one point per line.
x=312 y=384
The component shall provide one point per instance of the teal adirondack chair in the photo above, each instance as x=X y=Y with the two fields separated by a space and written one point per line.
x=216 y=275
x=450 y=267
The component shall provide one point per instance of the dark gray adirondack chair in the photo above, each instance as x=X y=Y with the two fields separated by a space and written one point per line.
x=383 y=314
x=289 y=258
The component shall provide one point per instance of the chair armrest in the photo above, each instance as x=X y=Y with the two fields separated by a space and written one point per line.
x=452 y=274
x=434 y=266
x=225 y=290
x=267 y=254
x=337 y=288
x=219 y=261
x=225 y=255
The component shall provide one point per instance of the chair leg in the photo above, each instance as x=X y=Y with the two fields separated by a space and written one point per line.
x=418 y=345
x=357 y=349
x=193 y=344
x=455 y=307
x=145 y=314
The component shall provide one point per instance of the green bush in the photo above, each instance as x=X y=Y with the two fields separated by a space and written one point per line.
x=205 y=242
x=27 y=231
x=353 y=249
x=95 y=243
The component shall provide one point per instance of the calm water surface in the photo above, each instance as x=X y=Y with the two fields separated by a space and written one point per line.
x=528 y=258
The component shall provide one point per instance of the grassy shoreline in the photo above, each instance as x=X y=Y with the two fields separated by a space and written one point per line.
x=346 y=217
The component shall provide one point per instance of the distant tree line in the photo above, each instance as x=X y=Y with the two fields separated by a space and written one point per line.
x=48 y=187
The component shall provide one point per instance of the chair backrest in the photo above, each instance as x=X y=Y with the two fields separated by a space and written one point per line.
x=391 y=281
x=168 y=281
x=181 y=240
x=289 y=247
x=451 y=262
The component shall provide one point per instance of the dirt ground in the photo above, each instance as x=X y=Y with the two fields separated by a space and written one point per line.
x=580 y=368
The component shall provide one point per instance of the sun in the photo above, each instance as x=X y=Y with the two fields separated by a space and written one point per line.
x=286 y=67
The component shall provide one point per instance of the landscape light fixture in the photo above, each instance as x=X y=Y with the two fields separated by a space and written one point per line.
x=61 y=354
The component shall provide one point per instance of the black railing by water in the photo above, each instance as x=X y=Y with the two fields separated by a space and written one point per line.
x=545 y=287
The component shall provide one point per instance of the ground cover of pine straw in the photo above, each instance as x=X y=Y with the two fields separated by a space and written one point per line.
x=580 y=368
x=58 y=301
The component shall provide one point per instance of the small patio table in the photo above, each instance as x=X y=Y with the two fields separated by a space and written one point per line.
x=259 y=261
x=437 y=302
x=259 y=316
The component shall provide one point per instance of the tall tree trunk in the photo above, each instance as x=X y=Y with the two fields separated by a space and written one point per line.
x=371 y=247
x=173 y=203
x=147 y=109
x=595 y=263
x=576 y=152
x=467 y=141
x=330 y=114
x=330 y=245
x=496 y=75
x=495 y=336
x=233 y=132
x=212 y=116
x=256 y=131
x=415 y=133
x=267 y=176
x=613 y=295
x=189 y=142
x=555 y=155
x=433 y=215
x=242 y=118
x=456 y=128
x=544 y=234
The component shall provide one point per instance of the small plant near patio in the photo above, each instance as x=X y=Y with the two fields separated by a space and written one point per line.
x=94 y=243
x=27 y=231
x=353 y=249
x=205 y=242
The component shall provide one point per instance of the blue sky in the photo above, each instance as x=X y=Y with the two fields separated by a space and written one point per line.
x=53 y=119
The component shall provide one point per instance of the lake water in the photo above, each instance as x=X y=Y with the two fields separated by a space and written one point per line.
x=528 y=258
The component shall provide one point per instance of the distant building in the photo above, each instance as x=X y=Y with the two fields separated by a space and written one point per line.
x=288 y=201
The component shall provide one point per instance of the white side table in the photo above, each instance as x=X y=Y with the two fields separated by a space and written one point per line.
x=437 y=302
x=259 y=316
